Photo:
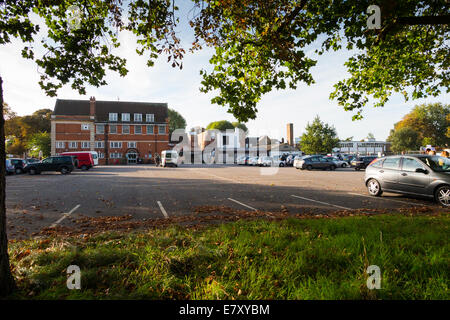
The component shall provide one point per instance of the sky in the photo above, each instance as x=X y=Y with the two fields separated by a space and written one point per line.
x=180 y=89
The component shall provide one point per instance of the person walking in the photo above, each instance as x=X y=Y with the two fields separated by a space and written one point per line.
x=157 y=159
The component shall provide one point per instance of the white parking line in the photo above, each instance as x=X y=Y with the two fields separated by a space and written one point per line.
x=243 y=204
x=384 y=198
x=163 y=210
x=65 y=215
x=326 y=203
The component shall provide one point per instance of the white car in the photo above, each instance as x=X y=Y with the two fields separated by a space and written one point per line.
x=339 y=163
x=169 y=158
x=297 y=164
x=265 y=161
x=253 y=161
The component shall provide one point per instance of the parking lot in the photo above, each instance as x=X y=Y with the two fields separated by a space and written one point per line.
x=147 y=192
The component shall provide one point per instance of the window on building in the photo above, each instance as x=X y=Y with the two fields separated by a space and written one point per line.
x=101 y=155
x=132 y=144
x=112 y=128
x=60 y=144
x=150 y=117
x=115 y=155
x=161 y=129
x=84 y=127
x=99 y=144
x=137 y=129
x=100 y=128
x=138 y=117
x=85 y=144
x=125 y=117
x=115 y=144
x=225 y=140
x=73 y=144
x=112 y=116
x=126 y=129
x=150 y=130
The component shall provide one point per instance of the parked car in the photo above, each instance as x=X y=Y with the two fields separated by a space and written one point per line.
x=84 y=160
x=9 y=167
x=63 y=164
x=243 y=160
x=253 y=161
x=297 y=163
x=315 y=162
x=169 y=158
x=339 y=163
x=422 y=175
x=362 y=162
x=31 y=160
x=19 y=165
x=265 y=161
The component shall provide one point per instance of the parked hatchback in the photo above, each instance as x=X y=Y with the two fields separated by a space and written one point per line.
x=63 y=164
x=19 y=165
x=315 y=162
x=421 y=175
x=362 y=162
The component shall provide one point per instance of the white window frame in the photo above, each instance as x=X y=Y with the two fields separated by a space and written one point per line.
x=128 y=126
x=126 y=117
x=115 y=144
x=73 y=144
x=150 y=126
x=138 y=117
x=101 y=155
x=162 y=126
x=149 y=117
x=111 y=126
x=113 y=116
x=135 y=130
x=132 y=144
x=84 y=144
x=100 y=126
x=99 y=144
x=60 y=144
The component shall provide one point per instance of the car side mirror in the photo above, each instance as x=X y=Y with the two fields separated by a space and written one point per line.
x=421 y=170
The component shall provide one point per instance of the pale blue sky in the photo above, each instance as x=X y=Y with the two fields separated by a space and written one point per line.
x=180 y=89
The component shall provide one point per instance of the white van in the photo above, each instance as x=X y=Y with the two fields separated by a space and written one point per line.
x=169 y=158
x=94 y=156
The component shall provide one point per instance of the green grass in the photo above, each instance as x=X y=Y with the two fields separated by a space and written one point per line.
x=290 y=259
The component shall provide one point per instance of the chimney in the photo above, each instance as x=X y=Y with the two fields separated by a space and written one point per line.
x=92 y=107
x=290 y=134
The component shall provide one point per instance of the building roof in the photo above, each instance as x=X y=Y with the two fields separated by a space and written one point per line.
x=65 y=107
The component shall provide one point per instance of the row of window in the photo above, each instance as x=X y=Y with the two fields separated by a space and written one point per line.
x=149 y=117
x=98 y=144
x=113 y=129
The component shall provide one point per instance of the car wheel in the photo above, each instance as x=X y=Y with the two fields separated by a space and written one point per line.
x=64 y=170
x=333 y=168
x=374 y=188
x=309 y=167
x=282 y=164
x=344 y=165
x=18 y=171
x=84 y=168
x=32 y=171
x=442 y=196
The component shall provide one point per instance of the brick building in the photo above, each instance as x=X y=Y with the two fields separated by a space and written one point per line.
x=121 y=132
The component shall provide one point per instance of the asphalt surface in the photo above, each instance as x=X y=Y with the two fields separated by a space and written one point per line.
x=147 y=192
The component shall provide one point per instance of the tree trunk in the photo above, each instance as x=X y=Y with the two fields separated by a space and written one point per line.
x=6 y=280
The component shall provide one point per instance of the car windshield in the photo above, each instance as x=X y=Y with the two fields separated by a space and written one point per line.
x=437 y=163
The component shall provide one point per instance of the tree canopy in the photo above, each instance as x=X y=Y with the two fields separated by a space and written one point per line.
x=404 y=139
x=430 y=121
x=176 y=121
x=259 y=45
x=318 y=138
x=221 y=125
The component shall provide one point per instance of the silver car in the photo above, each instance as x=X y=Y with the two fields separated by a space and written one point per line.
x=422 y=175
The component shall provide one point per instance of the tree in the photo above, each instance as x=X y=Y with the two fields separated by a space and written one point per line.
x=430 y=121
x=40 y=141
x=263 y=45
x=176 y=121
x=240 y=125
x=404 y=139
x=370 y=136
x=220 y=125
x=318 y=138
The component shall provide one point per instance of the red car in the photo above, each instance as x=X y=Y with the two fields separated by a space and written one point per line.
x=83 y=160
